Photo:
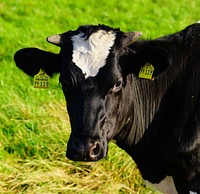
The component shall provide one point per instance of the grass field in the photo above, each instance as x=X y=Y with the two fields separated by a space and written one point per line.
x=34 y=125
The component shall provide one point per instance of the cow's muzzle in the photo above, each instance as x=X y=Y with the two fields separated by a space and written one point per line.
x=88 y=150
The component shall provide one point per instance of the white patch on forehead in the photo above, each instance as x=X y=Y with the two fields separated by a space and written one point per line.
x=191 y=192
x=91 y=54
x=165 y=186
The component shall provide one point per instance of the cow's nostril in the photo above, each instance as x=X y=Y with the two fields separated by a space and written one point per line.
x=88 y=150
x=95 y=151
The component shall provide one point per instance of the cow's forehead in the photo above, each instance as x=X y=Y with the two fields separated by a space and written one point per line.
x=90 y=54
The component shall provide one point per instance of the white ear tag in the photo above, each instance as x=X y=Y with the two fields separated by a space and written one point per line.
x=41 y=80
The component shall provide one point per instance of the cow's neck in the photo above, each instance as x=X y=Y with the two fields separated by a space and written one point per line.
x=158 y=108
x=137 y=136
x=143 y=105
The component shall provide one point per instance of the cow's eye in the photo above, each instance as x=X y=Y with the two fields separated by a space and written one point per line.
x=117 y=86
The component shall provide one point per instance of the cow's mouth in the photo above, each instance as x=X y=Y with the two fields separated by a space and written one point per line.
x=85 y=150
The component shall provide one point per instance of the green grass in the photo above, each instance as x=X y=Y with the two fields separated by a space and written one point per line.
x=34 y=125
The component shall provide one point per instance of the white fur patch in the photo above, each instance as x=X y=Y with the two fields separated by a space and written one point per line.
x=165 y=186
x=191 y=192
x=90 y=55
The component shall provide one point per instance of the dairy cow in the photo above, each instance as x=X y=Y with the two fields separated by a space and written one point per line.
x=155 y=120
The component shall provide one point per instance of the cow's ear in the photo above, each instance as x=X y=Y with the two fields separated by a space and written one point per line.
x=31 y=60
x=156 y=56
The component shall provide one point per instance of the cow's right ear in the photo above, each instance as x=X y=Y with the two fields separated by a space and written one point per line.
x=144 y=53
x=31 y=60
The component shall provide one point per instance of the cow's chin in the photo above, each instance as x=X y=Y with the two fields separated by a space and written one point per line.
x=86 y=150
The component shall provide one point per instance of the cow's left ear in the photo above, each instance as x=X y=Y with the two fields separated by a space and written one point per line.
x=156 y=56
x=31 y=60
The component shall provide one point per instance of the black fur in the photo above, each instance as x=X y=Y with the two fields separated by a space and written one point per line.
x=31 y=60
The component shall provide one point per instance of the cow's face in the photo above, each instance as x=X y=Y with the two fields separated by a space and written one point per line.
x=92 y=65
x=92 y=83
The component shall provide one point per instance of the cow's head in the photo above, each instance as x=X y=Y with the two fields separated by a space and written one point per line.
x=93 y=65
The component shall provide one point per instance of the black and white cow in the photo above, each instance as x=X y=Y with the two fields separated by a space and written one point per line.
x=157 y=122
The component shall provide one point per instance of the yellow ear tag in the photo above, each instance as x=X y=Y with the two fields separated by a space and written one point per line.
x=146 y=71
x=41 y=80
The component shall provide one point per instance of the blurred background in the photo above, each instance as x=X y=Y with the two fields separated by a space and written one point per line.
x=34 y=125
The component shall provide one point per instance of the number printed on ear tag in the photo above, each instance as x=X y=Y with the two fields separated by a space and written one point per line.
x=146 y=71
x=41 y=80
